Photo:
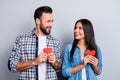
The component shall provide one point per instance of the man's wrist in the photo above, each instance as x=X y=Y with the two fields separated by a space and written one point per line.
x=34 y=63
x=57 y=65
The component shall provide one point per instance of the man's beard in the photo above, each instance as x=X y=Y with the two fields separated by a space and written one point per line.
x=44 y=30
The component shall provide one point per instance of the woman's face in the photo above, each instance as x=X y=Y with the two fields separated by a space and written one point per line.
x=79 y=32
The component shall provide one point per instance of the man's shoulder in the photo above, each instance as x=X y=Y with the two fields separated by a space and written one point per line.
x=26 y=35
x=50 y=37
x=53 y=40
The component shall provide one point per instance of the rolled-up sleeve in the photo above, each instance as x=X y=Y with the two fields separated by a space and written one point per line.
x=15 y=56
x=100 y=65
x=66 y=66
x=67 y=72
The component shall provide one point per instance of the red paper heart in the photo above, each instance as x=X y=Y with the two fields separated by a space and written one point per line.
x=47 y=50
x=91 y=52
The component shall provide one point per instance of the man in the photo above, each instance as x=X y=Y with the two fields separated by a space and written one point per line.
x=28 y=57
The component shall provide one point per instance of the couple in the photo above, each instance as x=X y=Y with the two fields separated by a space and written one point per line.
x=36 y=55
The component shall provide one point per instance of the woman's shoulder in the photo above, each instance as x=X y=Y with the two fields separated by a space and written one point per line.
x=98 y=48
x=68 y=46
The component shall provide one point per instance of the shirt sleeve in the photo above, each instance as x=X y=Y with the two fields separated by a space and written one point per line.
x=57 y=52
x=15 y=56
x=100 y=65
x=66 y=66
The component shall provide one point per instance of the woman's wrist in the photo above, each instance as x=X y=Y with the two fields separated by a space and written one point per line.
x=84 y=64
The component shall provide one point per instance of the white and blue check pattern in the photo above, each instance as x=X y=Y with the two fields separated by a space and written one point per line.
x=25 y=49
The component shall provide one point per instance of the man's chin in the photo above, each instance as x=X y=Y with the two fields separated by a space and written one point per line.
x=47 y=33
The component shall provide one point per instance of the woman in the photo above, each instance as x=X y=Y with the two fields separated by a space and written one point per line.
x=79 y=63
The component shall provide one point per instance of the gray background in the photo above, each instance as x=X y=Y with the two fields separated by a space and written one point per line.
x=16 y=17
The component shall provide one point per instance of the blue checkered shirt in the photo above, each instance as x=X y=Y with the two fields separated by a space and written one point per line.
x=25 y=49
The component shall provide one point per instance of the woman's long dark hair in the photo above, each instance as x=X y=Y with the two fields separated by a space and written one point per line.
x=89 y=37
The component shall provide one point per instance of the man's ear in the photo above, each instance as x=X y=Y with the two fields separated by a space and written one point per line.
x=37 y=21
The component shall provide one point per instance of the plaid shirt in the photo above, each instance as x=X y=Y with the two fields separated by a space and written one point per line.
x=25 y=49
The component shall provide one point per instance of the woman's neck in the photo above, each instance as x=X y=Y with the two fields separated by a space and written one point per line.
x=82 y=45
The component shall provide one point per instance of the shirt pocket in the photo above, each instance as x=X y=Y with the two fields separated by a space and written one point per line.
x=27 y=52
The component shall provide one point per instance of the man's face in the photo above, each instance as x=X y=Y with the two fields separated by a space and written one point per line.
x=46 y=22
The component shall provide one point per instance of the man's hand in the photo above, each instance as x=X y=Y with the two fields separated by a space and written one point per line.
x=41 y=58
x=51 y=58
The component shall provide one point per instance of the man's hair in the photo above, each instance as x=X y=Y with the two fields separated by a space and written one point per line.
x=40 y=10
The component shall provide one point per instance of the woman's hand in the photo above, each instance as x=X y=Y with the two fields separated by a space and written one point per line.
x=86 y=60
x=93 y=60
